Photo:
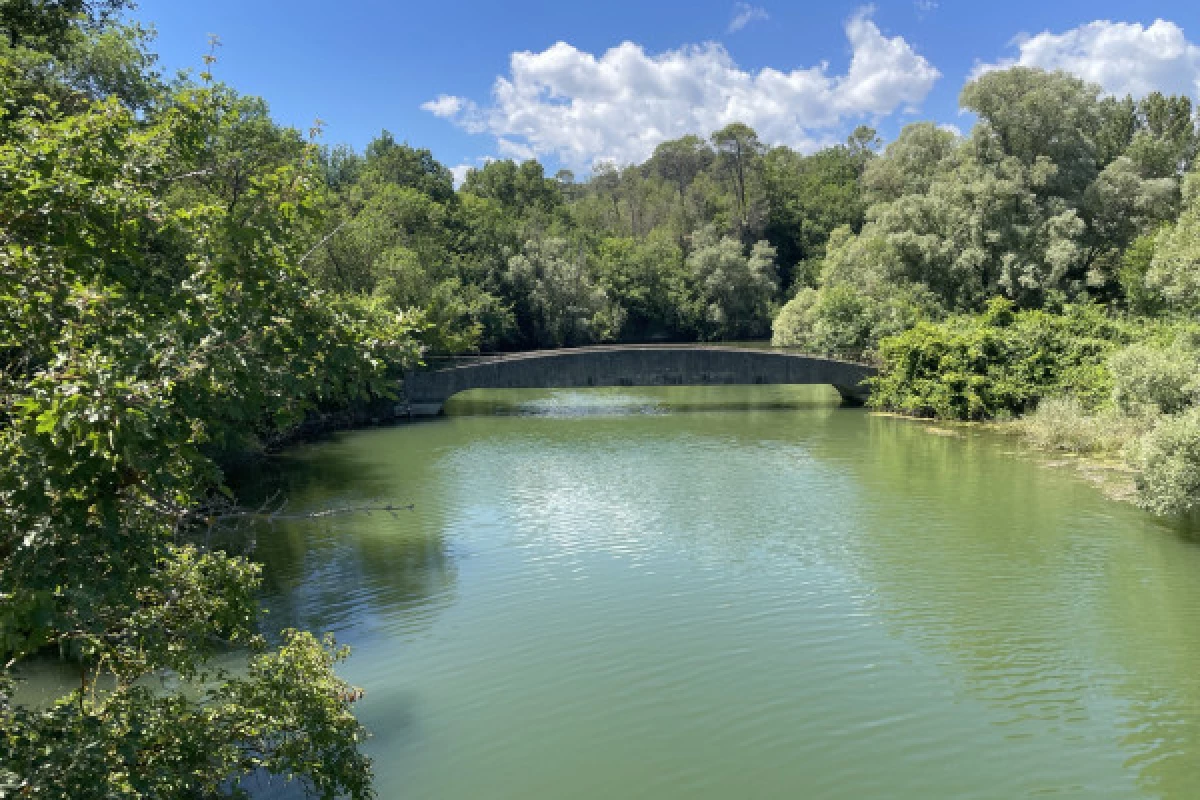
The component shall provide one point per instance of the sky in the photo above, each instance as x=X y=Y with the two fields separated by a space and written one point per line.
x=575 y=83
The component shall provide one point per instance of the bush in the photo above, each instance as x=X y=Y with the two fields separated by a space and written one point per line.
x=1168 y=458
x=1148 y=379
x=1000 y=362
x=1062 y=423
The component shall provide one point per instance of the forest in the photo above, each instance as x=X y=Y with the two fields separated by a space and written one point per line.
x=183 y=281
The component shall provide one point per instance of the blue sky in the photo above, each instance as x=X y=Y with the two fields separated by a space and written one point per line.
x=802 y=73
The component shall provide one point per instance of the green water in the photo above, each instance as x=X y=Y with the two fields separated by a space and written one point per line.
x=741 y=593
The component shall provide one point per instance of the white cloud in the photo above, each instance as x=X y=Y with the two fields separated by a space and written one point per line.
x=617 y=106
x=444 y=106
x=925 y=6
x=951 y=128
x=460 y=174
x=513 y=149
x=744 y=14
x=1123 y=57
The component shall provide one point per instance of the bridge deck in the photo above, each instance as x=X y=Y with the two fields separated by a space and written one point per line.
x=449 y=362
x=426 y=390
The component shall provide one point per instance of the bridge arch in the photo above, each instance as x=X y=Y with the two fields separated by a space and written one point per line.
x=427 y=390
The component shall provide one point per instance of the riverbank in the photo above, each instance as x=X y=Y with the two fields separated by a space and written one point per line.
x=1107 y=468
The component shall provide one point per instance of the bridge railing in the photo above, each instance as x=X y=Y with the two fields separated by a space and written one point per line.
x=437 y=362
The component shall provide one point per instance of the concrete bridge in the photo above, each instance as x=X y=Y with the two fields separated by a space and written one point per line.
x=427 y=390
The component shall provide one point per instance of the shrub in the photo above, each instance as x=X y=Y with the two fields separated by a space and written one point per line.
x=1149 y=379
x=1003 y=361
x=1168 y=458
x=1062 y=423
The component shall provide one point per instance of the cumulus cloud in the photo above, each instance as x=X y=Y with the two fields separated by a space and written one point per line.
x=1123 y=57
x=444 y=106
x=744 y=14
x=585 y=109
x=460 y=174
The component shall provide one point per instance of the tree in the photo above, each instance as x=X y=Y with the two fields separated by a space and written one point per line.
x=1174 y=273
x=522 y=189
x=1038 y=118
x=1166 y=143
x=1022 y=207
x=561 y=301
x=842 y=320
x=648 y=279
x=50 y=24
x=680 y=161
x=1117 y=207
x=738 y=153
x=389 y=162
x=736 y=290
x=909 y=165
x=807 y=198
x=155 y=316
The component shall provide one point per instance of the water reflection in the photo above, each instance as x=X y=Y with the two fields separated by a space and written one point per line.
x=358 y=574
x=602 y=594
x=613 y=401
x=1043 y=610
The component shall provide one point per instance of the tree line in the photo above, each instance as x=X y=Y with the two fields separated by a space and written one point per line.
x=702 y=241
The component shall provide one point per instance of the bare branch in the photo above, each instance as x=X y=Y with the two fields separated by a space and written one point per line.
x=328 y=236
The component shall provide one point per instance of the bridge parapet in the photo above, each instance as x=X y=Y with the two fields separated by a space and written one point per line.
x=427 y=390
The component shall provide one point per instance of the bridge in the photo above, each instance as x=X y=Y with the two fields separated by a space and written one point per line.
x=427 y=390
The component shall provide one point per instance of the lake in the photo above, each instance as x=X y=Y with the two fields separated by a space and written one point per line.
x=739 y=592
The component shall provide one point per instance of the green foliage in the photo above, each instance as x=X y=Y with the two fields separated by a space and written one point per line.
x=1040 y=201
x=1174 y=272
x=519 y=189
x=287 y=714
x=154 y=316
x=388 y=163
x=49 y=25
x=843 y=321
x=735 y=289
x=563 y=303
x=1037 y=118
x=1148 y=379
x=1168 y=463
x=809 y=197
x=1001 y=362
x=681 y=161
x=650 y=281
x=1135 y=265
x=739 y=159
x=1154 y=392
x=181 y=279
x=1063 y=423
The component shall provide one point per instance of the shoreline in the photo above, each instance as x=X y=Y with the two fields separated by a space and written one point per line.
x=1108 y=473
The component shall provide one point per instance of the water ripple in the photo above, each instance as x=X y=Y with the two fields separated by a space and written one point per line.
x=602 y=596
